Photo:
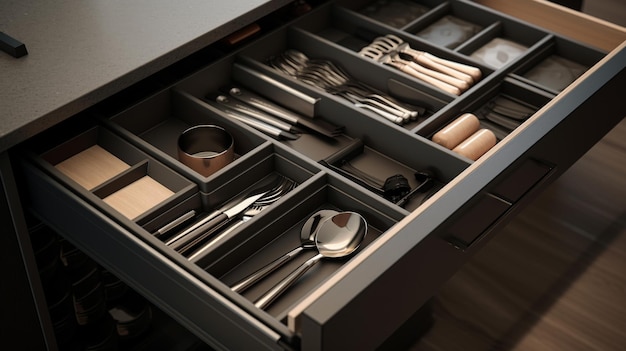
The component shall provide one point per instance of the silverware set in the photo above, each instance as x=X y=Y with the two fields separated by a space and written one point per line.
x=452 y=77
x=328 y=76
x=196 y=239
x=267 y=116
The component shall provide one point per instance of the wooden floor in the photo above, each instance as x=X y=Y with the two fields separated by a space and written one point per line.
x=555 y=278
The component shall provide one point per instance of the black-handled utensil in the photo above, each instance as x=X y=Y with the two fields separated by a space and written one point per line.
x=231 y=210
x=183 y=242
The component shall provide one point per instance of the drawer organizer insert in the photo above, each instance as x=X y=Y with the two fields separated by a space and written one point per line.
x=344 y=152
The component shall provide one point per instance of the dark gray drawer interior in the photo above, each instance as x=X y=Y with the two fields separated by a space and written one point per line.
x=453 y=204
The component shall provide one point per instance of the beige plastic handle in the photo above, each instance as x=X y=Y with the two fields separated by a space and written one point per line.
x=422 y=59
x=430 y=80
x=461 y=84
x=471 y=71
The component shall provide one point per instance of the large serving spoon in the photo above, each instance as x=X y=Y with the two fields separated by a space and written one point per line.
x=338 y=236
x=307 y=241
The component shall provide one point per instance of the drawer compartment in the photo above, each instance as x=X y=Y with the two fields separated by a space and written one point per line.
x=154 y=126
x=395 y=13
x=451 y=25
x=501 y=108
x=411 y=93
x=283 y=234
x=557 y=65
x=113 y=174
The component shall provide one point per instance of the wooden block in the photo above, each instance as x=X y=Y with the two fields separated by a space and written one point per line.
x=138 y=197
x=92 y=167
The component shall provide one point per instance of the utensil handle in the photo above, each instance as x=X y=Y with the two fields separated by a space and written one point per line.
x=192 y=235
x=430 y=80
x=390 y=116
x=175 y=223
x=472 y=71
x=440 y=65
x=192 y=227
x=455 y=82
x=284 y=284
x=462 y=71
x=199 y=253
x=265 y=270
x=262 y=104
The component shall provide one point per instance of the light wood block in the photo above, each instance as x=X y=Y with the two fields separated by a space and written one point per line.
x=92 y=167
x=138 y=197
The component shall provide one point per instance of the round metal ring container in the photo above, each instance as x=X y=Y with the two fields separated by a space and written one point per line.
x=206 y=148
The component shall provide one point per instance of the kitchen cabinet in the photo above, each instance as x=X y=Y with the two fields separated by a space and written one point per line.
x=156 y=82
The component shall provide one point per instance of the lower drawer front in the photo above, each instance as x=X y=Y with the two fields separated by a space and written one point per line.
x=204 y=312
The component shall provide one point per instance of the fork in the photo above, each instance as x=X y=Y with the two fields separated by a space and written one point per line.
x=285 y=186
x=410 y=68
x=326 y=75
x=461 y=71
x=385 y=56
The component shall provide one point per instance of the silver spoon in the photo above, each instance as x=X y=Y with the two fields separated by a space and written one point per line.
x=338 y=236
x=307 y=241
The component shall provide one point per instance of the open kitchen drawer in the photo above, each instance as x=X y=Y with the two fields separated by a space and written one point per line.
x=412 y=246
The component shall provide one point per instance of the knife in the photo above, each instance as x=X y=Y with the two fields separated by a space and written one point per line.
x=245 y=96
x=250 y=111
x=252 y=122
x=216 y=222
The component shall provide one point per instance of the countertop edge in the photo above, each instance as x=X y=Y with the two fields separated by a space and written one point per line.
x=48 y=119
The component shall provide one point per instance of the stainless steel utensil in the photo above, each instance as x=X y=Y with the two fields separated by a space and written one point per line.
x=252 y=122
x=329 y=77
x=320 y=126
x=285 y=186
x=218 y=219
x=307 y=241
x=338 y=236
x=253 y=112
x=175 y=223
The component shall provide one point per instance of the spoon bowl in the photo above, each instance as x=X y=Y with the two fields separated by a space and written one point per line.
x=338 y=236
x=307 y=241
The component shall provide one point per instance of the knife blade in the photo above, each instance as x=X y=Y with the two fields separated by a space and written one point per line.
x=204 y=230
x=222 y=215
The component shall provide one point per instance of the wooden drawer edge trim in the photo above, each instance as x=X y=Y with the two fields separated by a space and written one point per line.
x=562 y=20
